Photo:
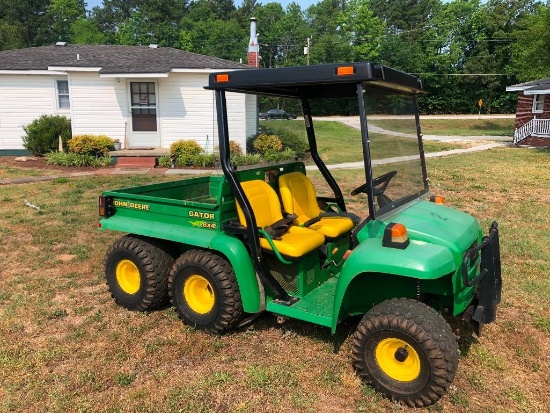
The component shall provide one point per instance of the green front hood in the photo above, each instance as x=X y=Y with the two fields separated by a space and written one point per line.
x=440 y=225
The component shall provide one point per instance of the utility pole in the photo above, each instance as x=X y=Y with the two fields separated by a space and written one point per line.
x=306 y=49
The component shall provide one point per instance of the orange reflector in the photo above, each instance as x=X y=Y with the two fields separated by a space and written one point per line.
x=346 y=254
x=437 y=199
x=222 y=78
x=345 y=70
x=396 y=236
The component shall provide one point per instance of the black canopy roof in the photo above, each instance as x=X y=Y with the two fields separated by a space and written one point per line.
x=317 y=81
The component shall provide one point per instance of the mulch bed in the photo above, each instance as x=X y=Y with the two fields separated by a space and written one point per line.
x=40 y=163
x=534 y=141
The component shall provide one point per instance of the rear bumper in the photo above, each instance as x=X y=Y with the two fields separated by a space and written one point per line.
x=489 y=281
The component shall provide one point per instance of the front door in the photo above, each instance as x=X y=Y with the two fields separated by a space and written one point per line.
x=144 y=126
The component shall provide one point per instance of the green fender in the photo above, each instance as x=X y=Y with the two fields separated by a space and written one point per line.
x=420 y=260
x=233 y=249
x=239 y=257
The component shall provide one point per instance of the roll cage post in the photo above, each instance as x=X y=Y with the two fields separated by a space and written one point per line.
x=238 y=192
x=366 y=147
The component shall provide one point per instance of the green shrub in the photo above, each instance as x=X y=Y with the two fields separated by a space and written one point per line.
x=204 y=160
x=201 y=160
x=164 y=161
x=289 y=140
x=93 y=145
x=250 y=159
x=75 y=159
x=278 y=156
x=181 y=150
x=264 y=143
x=42 y=134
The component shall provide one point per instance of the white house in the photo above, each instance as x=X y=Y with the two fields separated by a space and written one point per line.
x=144 y=96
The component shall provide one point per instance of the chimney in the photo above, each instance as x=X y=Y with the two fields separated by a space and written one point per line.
x=253 y=46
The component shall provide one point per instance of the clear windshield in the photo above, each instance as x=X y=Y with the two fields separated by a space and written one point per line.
x=394 y=149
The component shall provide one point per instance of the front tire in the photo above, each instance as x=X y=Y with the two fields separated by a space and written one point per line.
x=406 y=351
x=204 y=292
x=136 y=271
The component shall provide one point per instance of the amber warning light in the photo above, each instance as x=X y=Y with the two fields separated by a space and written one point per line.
x=222 y=78
x=345 y=70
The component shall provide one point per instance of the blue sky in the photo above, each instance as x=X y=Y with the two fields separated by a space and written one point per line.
x=304 y=3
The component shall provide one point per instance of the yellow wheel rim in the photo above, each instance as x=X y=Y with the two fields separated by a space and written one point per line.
x=199 y=294
x=127 y=276
x=398 y=359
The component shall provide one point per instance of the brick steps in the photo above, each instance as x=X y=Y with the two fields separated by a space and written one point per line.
x=136 y=162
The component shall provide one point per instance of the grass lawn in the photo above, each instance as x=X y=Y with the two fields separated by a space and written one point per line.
x=453 y=127
x=66 y=346
x=339 y=143
x=10 y=172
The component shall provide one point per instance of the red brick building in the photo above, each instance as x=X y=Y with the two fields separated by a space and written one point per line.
x=532 y=112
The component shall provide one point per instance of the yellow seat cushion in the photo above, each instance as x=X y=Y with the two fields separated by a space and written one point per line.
x=333 y=227
x=267 y=210
x=299 y=197
x=296 y=242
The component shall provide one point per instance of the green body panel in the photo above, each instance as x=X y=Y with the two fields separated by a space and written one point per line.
x=314 y=307
x=439 y=237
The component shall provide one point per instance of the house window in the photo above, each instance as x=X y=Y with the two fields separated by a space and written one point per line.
x=538 y=103
x=63 y=101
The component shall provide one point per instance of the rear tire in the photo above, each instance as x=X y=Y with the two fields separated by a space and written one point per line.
x=136 y=271
x=204 y=292
x=407 y=351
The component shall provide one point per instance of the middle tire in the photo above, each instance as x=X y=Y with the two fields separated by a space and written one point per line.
x=204 y=292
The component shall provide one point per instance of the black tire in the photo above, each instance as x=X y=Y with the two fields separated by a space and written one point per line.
x=204 y=292
x=406 y=351
x=136 y=271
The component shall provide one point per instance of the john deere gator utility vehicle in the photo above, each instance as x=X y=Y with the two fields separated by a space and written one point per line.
x=225 y=248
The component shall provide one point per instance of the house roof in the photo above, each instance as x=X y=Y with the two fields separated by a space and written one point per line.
x=534 y=87
x=110 y=59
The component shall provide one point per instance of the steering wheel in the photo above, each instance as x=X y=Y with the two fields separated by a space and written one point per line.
x=383 y=180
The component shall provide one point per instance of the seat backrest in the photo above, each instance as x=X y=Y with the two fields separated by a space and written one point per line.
x=298 y=195
x=264 y=202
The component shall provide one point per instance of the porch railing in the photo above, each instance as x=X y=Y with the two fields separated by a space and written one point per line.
x=539 y=127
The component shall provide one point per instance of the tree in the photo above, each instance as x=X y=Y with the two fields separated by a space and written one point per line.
x=85 y=31
x=331 y=42
x=12 y=35
x=365 y=30
x=531 y=48
x=20 y=22
x=59 y=18
x=223 y=39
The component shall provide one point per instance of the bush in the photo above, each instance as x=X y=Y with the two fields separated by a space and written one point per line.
x=265 y=143
x=181 y=150
x=278 y=156
x=201 y=160
x=204 y=160
x=235 y=148
x=75 y=159
x=289 y=140
x=164 y=161
x=42 y=134
x=250 y=159
x=93 y=145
